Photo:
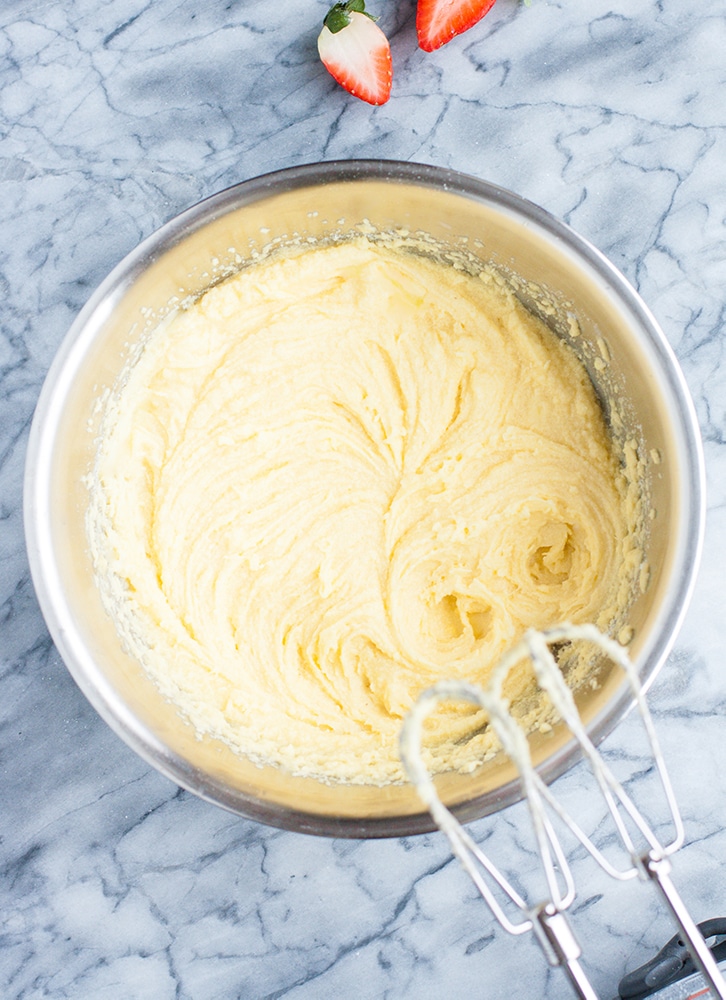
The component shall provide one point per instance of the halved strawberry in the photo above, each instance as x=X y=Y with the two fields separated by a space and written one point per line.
x=437 y=21
x=356 y=53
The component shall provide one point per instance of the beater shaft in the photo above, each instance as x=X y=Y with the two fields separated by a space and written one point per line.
x=555 y=936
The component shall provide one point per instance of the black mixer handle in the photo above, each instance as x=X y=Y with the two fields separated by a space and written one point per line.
x=671 y=963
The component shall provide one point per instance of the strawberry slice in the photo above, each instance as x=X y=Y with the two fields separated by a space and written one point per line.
x=437 y=21
x=356 y=53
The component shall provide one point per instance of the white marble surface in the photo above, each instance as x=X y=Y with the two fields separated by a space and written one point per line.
x=117 y=114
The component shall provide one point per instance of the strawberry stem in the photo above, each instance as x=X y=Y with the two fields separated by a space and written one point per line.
x=338 y=17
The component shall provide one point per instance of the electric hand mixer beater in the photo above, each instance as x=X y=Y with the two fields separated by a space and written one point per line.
x=650 y=862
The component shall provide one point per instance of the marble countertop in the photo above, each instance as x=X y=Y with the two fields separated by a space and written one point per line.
x=118 y=114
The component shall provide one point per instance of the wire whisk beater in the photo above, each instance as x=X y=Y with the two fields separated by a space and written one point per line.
x=645 y=855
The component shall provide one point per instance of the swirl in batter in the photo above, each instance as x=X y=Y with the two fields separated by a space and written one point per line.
x=339 y=477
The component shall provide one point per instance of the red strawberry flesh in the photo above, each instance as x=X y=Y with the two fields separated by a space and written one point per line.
x=438 y=21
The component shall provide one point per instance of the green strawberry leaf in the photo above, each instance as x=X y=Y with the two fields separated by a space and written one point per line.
x=338 y=17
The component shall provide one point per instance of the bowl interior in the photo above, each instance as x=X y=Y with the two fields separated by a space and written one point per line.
x=558 y=275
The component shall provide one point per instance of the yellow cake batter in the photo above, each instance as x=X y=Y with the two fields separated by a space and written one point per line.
x=339 y=477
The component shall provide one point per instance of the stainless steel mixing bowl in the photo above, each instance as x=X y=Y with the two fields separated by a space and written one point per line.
x=557 y=273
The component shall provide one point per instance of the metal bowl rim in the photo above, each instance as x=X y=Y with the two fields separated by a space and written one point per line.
x=39 y=541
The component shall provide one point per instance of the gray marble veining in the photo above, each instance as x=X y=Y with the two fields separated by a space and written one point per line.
x=116 y=116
